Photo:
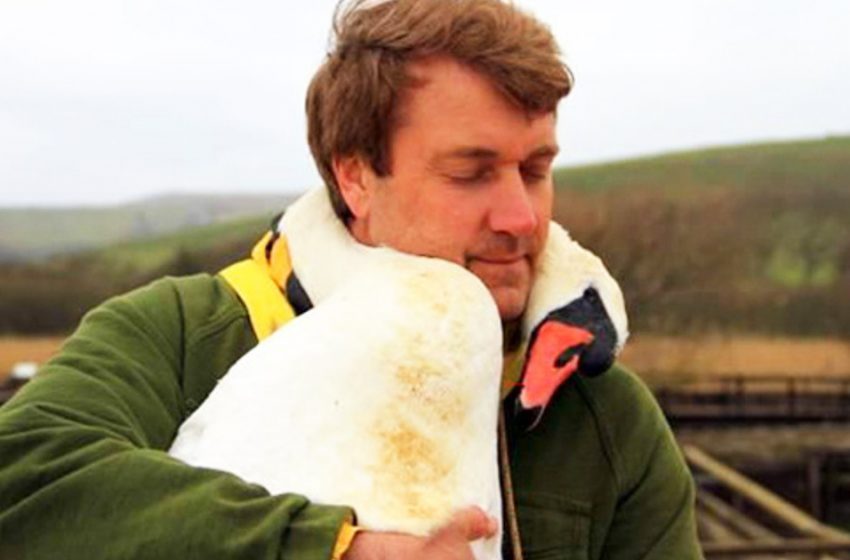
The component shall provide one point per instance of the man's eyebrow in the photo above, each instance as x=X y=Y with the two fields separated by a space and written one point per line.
x=549 y=150
x=479 y=153
x=469 y=152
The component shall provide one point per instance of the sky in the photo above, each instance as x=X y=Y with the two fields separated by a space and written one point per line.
x=109 y=101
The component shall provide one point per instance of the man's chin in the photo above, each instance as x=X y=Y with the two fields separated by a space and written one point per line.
x=511 y=302
x=509 y=284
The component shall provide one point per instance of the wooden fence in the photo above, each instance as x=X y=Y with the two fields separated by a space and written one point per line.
x=728 y=532
x=741 y=398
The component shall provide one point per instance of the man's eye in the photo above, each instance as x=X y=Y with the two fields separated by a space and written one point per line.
x=479 y=176
x=535 y=174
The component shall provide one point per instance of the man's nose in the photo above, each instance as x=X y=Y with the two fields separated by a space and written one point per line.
x=511 y=209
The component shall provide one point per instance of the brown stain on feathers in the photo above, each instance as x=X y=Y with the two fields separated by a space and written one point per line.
x=412 y=471
x=426 y=291
x=415 y=471
x=430 y=392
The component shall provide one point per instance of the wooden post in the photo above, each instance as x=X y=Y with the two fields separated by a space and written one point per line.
x=845 y=400
x=792 y=397
x=739 y=396
x=814 y=467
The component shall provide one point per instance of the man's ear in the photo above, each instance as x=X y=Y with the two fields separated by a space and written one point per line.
x=356 y=183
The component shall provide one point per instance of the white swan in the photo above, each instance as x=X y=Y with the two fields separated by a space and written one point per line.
x=384 y=396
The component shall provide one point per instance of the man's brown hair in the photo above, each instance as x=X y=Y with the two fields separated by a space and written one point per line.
x=352 y=101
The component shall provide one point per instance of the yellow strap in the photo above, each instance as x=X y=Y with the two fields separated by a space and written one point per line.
x=259 y=284
x=277 y=265
x=344 y=538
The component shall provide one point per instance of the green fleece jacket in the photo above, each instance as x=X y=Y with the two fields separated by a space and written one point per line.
x=84 y=473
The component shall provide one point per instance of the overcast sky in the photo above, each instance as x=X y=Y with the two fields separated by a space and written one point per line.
x=105 y=101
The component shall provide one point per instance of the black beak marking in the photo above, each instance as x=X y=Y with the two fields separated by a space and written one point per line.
x=588 y=312
x=567 y=355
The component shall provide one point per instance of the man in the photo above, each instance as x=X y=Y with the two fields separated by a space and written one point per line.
x=433 y=125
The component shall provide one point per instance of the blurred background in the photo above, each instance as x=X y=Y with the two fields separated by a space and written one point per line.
x=705 y=155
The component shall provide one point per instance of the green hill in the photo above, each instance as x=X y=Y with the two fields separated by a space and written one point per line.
x=200 y=242
x=50 y=296
x=750 y=238
x=811 y=164
x=743 y=238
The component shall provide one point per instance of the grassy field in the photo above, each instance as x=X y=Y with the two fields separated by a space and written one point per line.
x=665 y=360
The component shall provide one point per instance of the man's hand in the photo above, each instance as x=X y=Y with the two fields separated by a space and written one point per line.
x=450 y=542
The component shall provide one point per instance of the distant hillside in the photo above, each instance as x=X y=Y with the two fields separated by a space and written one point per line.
x=50 y=296
x=235 y=237
x=743 y=238
x=811 y=164
x=34 y=233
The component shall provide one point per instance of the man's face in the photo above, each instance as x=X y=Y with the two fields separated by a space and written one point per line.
x=470 y=182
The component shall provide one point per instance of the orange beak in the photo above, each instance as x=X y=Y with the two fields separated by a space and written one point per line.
x=552 y=359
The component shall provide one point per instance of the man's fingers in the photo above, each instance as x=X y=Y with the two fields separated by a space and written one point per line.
x=471 y=524
x=451 y=542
